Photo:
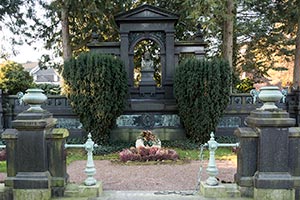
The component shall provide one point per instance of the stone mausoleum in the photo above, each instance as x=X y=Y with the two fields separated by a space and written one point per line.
x=150 y=53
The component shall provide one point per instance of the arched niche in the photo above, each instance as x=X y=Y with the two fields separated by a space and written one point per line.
x=139 y=44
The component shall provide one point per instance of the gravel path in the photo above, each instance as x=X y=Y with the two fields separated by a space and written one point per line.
x=149 y=177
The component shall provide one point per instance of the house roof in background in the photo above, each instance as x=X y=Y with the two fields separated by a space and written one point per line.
x=29 y=65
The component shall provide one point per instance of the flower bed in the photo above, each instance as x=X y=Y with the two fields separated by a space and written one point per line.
x=148 y=154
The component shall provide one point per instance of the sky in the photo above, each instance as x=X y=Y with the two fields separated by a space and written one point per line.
x=25 y=52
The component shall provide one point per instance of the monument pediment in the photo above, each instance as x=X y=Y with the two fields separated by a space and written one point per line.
x=146 y=13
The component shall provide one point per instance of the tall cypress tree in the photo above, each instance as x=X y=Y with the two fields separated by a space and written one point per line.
x=202 y=90
x=96 y=87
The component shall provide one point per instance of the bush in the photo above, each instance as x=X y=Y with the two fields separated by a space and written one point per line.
x=96 y=86
x=49 y=88
x=14 y=79
x=202 y=90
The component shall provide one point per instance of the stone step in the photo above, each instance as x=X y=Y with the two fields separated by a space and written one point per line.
x=220 y=191
x=75 y=190
x=153 y=195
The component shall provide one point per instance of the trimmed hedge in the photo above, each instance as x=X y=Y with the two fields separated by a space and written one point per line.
x=96 y=86
x=202 y=90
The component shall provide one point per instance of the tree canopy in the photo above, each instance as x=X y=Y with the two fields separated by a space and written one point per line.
x=13 y=78
x=252 y=34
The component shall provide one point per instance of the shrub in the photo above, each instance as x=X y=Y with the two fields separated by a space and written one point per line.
x=202 y=90
x=148 y=154
x=96 y=86
x=14 y=79
x=49 y=88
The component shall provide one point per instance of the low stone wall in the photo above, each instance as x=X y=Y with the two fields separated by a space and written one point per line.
x=166 y=122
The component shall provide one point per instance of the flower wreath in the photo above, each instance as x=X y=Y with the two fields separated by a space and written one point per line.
x=148 y=139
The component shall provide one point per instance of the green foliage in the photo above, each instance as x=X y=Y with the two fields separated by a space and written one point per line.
x=49 y=88
x=13 y=78
x=3 y=166
x=112 y=147
x=74 y=154
x=181 y=144
x=202 y=90
x=245 y=85
x=91 y=15
x=96 y=87
x=266 y=32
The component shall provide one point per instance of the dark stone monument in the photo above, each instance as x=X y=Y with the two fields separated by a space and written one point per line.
x=268 y=166
x=36 y=167
x=157 y=103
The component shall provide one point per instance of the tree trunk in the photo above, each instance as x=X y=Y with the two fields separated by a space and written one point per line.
x=296 y=74
x=66 y=44
x=228 y=31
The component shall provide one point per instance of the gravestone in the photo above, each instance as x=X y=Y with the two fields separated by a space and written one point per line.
x=149 y=102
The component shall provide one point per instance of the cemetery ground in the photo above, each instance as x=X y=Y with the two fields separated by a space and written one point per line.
x=147 y=176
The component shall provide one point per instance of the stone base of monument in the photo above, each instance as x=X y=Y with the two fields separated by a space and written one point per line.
x=130 y=134
x=219 y=191
x=5 y=192
x=32 y=194
x=75 y=190
x=246 y=191
x=266 y=194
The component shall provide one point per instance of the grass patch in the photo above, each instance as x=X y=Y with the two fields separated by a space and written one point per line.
x=221 y=154
x=74 y=154
x=2 y=166
x=185 y=156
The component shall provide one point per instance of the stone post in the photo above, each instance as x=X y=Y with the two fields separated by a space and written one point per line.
x=272 y=178
x=27 y=150
x=269 y=159
x=294 y=157
x=294 y=105
x=57 y=160
x=247 y=159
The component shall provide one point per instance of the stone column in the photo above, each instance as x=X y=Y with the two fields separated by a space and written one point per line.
x=170 y=58
x=124 y=55
x=294 y=105
x=294 y=157
x=57 y=160
x=10 y=136
x=247 y=159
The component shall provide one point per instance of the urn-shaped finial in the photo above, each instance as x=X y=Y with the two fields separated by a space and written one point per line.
x=269 y=95
x=34 y=98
